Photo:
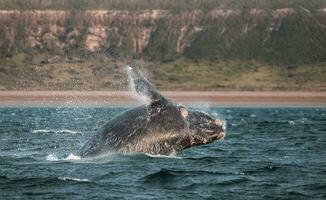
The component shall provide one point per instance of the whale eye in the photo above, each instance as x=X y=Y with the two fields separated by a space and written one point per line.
x=184 y=112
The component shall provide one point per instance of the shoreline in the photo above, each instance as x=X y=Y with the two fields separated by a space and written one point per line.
x=193 y=98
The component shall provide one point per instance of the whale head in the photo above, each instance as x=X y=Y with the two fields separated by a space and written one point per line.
x=202 y=128
x=173 y=126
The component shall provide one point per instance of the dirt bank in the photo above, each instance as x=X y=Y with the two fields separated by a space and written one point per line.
x=121 y=98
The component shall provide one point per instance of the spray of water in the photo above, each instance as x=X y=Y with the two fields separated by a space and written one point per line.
x=70 y=157
x=205 y=107
x=131 y=82
x=130 y=78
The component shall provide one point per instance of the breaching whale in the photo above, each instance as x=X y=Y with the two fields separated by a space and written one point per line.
x=160 y=127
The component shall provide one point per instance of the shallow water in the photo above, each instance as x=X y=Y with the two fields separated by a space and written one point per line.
x=268 y=153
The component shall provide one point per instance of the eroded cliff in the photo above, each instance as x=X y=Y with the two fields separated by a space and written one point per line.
x=285 y=35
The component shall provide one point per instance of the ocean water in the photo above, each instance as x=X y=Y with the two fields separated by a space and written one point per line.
x=268 y=153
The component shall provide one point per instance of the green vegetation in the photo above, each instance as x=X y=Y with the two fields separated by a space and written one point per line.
x=162 y=44
x=238 y=75
x=100 y=73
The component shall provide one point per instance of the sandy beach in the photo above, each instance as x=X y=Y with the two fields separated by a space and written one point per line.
x=122 y=98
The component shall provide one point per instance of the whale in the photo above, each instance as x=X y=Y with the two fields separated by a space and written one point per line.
x=160 y=126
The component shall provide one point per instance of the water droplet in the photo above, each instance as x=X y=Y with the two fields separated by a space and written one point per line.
x=291 y=122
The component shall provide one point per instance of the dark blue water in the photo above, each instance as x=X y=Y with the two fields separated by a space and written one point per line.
x=268 y=153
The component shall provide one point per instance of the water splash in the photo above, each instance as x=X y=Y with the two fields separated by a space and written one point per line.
x=70 y=157
x=130 y=78
x=291 y=123
x=224 y=124
x=204 y=107
x=51 y=157
x=131 y=83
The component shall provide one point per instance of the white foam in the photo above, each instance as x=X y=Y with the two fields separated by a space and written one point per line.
x=51 y=157
x=68 y=178
x=291 y=122
x=41 y=131
x=55 y=131
x=72 y=157
x=162 y=156
x=67 y=131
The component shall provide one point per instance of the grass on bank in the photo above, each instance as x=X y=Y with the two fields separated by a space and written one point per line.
x=239 y=75
x=44 y=72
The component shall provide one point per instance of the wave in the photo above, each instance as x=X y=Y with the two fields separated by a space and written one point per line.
x=168 y=173
x=68 y=178
x=55 y=131
x=37 y=181
x=3 y=178
x=235 y=181
x=167 y=176
x=205 y=158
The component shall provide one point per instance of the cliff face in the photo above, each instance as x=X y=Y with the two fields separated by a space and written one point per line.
x=285 y=35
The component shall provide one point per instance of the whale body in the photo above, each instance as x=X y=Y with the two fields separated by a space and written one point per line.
x=160 y=127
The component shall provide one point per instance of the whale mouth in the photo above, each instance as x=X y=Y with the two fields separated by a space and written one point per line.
x=215 y=134
x=206 y=139
x=218 y=136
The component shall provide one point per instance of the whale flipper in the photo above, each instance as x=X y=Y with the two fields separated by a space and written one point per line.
x=144 y=88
